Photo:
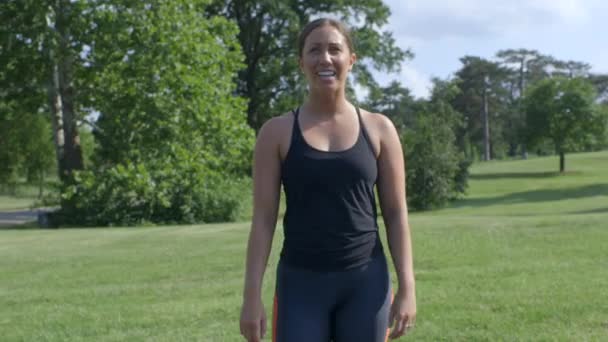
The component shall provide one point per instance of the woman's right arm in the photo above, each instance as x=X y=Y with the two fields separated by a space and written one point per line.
x=266 y=194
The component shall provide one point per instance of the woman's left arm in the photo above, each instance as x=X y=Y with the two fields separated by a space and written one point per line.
x=391 y=191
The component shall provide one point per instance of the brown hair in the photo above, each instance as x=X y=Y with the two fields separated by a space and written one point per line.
x=321 y=22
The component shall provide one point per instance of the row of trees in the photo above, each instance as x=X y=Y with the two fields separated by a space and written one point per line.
x=171 y=144
x=179 y=89
x=520 y=101
x=500 y=88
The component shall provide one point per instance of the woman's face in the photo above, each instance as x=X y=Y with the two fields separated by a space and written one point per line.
x=326 y=58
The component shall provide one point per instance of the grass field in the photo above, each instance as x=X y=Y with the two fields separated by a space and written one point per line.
x=524 y=257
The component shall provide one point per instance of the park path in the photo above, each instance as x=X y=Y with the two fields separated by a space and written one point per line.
x=12 y=218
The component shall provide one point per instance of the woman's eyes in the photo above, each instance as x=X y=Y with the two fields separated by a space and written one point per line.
x=331 y=49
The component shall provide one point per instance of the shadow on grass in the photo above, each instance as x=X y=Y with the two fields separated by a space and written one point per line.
x=492 y=176
x=592 y=211
x=536 y=196
x=33 y=225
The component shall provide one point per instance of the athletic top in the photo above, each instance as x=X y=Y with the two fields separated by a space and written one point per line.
x=330 y=222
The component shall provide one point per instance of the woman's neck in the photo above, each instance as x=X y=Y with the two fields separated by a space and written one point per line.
x=327 y=104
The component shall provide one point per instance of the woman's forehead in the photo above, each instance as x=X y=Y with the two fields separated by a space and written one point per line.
x=325 y=34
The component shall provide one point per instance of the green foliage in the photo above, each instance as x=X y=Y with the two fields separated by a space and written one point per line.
x=160 y=192
x=564 y=111
x=436 y=171
x=271 y=80
x=476 y=76
x=38 y=149
x=24 y=149
x=163 y=78
x=172 y=142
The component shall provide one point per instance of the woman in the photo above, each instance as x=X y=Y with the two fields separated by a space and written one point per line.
x=332 y=278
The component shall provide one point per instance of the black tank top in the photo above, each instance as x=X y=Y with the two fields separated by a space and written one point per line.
x=330 y=220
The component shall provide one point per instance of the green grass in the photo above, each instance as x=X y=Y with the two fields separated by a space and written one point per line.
x=523 y=257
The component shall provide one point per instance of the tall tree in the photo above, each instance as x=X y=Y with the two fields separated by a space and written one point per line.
x=161 y=74
x=395 y=101
x=521 y=60
x=600 y=82
x=271 y=80
x=172 y=140
x=60 y=50
x=527 y=66
x=570 y=69
x=39 y=49
x=564 y=111
x=481 y=83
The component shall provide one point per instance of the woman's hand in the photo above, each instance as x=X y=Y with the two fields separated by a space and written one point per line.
x=403 y=314
x=253 y=320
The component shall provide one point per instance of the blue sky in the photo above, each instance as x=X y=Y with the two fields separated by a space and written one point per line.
x=441 y=31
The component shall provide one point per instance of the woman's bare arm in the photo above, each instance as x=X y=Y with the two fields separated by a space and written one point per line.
x=391 y=191
x=266 y=194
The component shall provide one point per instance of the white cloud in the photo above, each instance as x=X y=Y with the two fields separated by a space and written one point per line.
x=412 y=78
x=437 y=19
x=440 y=32
x=415 y=80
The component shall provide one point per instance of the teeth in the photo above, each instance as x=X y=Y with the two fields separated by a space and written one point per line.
x=327 y=73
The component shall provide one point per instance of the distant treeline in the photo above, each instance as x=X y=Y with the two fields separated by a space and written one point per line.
x=147 y=110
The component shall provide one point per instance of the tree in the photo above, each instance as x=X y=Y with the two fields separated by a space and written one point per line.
x=436 y=170
x=172 y=141
x=394 y=101
x=570 y=68
x=600 y=82
x=481 y=84
x=564 y=111
x=527 y=67
x=39 y=49
x=268 y=31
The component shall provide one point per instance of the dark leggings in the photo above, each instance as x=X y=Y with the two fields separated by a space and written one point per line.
x=351 y=305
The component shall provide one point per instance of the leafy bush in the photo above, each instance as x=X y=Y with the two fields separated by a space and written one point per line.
x=135 y=194
x=436 y=171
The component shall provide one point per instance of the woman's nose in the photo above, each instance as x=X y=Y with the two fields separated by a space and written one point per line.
x=325 y=57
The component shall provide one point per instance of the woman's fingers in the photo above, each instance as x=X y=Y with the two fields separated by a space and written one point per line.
x=263 y=326
x=399 y=326
x=402 y=324
x=250 y=331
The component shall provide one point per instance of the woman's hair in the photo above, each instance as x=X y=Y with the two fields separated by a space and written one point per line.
x=322 y=22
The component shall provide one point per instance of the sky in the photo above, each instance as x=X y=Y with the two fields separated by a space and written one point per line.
x=440 y=32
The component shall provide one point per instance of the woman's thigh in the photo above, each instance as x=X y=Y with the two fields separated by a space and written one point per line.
x=303 y=304
x=364 y=315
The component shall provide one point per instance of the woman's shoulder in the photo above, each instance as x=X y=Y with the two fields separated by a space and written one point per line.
x=278 y=125
x=276 y=132
x=376 y=121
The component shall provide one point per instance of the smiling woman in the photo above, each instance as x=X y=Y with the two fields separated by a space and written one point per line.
x=329 y=155
x=326 y=54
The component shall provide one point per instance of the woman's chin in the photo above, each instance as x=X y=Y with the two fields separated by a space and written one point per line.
x=327 y=85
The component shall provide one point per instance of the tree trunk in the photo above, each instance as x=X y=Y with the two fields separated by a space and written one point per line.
x=486 y=127
x=73 y=151
x=524 y=151
x=55 y=103
x=562 y=162
x=61 y=94
x=522 y=113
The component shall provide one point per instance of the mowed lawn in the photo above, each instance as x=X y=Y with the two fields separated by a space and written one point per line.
x=523 y=257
